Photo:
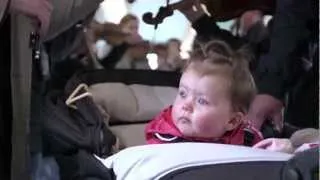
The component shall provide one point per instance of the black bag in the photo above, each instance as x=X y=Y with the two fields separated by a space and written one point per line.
x=83 y=166
x=75 y=123
x=74 y=132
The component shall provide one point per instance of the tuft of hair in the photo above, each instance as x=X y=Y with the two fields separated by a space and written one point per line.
x=174 y=40
x=308 y=135
x=125 y=19
x=218 y=58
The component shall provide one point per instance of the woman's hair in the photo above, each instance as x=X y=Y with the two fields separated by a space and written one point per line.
x=125 y=19
x=217 y=58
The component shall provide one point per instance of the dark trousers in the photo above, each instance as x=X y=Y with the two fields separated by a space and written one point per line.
x=303 y=102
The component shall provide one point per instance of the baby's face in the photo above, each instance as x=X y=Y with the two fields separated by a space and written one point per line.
x=202 y=107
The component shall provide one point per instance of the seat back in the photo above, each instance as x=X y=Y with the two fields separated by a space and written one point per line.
x=128 y=99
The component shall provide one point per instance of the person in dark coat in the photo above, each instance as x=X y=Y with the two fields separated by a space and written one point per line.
x=286 y=64
x=287 y=75
x=254 y=37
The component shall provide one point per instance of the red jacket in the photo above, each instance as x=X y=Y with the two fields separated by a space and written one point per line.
x=162 y=130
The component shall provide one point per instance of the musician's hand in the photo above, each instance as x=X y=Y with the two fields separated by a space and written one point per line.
x=186 y=7
x=134 y=39
x=248 y=19
x=138 y=51
x=274 y=144
x=263 y=107
x=38 y=10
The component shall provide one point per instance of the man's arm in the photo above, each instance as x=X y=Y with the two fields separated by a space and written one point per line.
x=207 y=29
x=40 y=10
x=204 y=25
x=290 y=28
x=272 y=75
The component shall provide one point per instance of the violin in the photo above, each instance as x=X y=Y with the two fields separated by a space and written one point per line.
x=113 y=34
x=109 y=31
x=220 y=10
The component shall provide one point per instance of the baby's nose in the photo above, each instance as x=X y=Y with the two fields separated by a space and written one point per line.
x=188 y=106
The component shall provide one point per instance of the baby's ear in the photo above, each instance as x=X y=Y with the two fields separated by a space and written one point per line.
x=235 y=121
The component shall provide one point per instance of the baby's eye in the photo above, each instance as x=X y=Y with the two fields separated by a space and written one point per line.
x=202 y=101
x=182 y=93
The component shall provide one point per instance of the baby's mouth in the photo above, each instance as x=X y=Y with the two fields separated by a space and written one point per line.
x=184 y=120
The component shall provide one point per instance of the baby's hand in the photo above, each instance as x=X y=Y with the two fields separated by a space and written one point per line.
x=275 y=144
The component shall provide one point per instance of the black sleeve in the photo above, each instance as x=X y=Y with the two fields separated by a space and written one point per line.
x=207 y=29
x=290 y=29
x=114 y=56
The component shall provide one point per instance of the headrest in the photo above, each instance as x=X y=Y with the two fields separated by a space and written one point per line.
x=131 y=103
x=125 y=96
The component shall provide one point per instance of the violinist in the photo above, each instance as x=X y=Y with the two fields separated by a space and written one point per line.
x=253 y=36
x=119 y=39
x=204 y=14
x=173 y=57
x=135 y=55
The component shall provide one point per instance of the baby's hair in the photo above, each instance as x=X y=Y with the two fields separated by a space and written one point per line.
x=218 y=58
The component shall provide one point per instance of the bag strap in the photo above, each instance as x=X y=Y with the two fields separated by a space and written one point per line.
x=73 y=96
x=248 y=137
x=21 y=77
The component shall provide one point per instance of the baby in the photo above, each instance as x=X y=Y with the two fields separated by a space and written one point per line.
x=214 y=94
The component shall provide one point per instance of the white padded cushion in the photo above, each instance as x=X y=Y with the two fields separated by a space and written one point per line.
x=115 y=98
x=157 y=160
x=129 y=103
x=129 y=135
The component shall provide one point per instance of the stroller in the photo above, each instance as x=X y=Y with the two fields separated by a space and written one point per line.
x=82 y=156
